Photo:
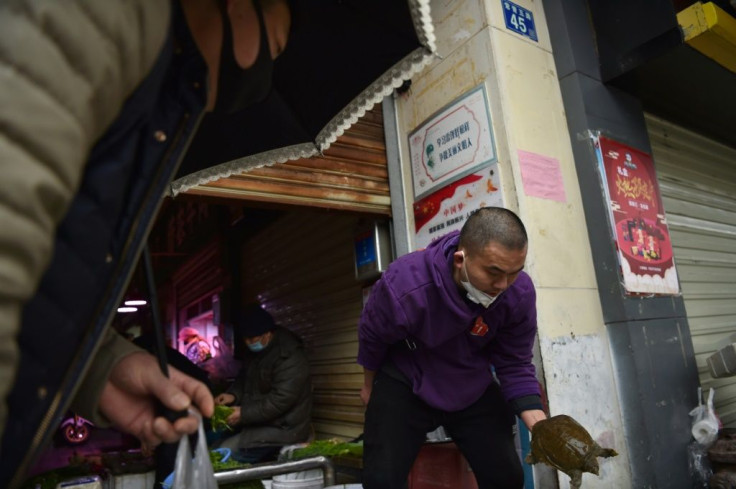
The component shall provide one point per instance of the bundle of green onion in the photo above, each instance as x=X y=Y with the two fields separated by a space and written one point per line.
x=219 y=418
x=329 y=448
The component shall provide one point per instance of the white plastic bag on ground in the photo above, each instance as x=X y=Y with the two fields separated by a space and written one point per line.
x=196 y=472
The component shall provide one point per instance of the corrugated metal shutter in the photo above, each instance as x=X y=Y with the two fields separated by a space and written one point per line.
x=697 y=177
x=200 y=276
x=351 y=175
x=301 y=269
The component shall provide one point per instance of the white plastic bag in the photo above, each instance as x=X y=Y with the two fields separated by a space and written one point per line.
x=194 y=473
x=705 y=422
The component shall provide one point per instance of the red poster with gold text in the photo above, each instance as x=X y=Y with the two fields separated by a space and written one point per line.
x=638 y=219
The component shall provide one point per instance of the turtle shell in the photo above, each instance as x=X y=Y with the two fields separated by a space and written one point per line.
x=564 y=444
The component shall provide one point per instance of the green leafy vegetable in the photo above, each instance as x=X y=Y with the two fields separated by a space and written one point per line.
x=219 y=418
x=50 y=479
x=329 y=448
x=218 y=466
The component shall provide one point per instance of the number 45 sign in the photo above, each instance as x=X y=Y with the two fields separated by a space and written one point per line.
x=519 y=20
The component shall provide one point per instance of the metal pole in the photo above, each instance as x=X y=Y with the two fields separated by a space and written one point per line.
x=266 y=470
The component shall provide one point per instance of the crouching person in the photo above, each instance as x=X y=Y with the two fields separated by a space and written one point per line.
x=272 y=395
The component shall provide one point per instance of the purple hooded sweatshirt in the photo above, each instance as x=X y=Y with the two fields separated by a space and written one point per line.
x=417 y=300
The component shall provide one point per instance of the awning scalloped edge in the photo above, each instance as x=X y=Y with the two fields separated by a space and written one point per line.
x=374 y=93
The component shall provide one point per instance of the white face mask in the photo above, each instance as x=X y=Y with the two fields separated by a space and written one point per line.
x=474 y=294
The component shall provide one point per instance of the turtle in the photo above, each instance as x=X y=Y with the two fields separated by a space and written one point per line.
x=564 y=444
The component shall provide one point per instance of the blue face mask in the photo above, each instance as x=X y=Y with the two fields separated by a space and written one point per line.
x=256 y=347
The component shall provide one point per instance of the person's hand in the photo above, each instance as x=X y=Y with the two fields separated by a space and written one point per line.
x=129 y=397
x=224 y=399
x=234 y=418
x=365 y=393
x=531 y=416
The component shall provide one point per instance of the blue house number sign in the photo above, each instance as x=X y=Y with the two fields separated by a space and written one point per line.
x=519 y=20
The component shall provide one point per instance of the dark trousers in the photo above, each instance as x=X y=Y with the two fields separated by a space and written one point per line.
x=396 y=424
x=256 y=455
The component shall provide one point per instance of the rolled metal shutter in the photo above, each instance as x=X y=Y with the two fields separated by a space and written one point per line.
x=351 y=175
x=697 y=177
x=201 y=276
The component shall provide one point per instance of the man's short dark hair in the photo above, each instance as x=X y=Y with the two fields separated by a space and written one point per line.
x=493 y=224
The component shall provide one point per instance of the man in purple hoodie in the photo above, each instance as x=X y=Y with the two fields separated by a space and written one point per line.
x=436 y=327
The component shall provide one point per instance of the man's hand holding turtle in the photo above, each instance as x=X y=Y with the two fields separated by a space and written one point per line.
x=563 y=443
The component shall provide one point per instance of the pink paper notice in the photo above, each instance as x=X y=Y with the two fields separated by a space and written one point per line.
x=541 y=176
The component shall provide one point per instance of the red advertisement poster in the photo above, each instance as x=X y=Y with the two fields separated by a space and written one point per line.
x=637 y=218
x=446 y=209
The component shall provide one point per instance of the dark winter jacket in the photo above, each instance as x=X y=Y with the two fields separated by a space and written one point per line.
x=274 y=393
x=135 y=63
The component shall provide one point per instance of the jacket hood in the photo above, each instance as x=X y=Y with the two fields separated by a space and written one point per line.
x=438 y=257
